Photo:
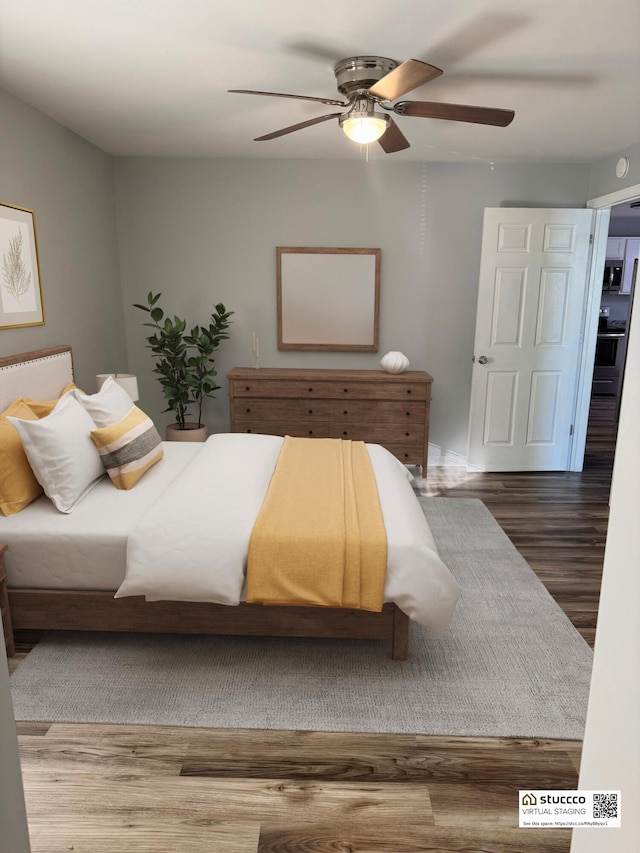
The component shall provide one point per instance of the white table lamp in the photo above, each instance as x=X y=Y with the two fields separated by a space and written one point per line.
x=128 y=381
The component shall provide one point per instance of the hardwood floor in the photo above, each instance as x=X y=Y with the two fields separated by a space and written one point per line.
x=558 y=521
x=146 y=789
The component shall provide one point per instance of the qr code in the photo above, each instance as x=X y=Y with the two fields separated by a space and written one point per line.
x=605 y=805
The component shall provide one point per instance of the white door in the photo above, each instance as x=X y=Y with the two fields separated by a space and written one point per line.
x=533 y=281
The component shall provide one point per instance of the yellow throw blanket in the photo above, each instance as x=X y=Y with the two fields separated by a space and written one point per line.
x=319 y=539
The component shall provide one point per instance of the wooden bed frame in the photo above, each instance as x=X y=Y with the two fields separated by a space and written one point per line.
x=78 y=610
x=65 y=610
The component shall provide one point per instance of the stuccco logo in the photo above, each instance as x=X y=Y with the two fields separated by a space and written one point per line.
x=529 y=799
x=563 y=800
x=568 y=808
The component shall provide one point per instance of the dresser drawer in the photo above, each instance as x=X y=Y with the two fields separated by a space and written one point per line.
x=277 y=409
x=318 y=428
x=330 y=390
x=414 y=455
x=383 y=390
x=278 y=388
x=382 y=412
x=379 y=433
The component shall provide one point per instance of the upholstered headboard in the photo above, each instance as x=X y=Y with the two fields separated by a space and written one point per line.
x=41 y=374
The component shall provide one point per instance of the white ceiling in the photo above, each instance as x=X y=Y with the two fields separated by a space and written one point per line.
x=150 y=77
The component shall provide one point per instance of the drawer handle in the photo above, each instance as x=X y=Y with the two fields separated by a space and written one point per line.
x=247 y=388
x=346 y=390
x=345 y=432
x=248 y=411
x=406 y=455
x=310 y=411
x=408 y=390
x=310 y=389
x=407 y=434
x=310 y=432
x=248 y=430
x=345 y=412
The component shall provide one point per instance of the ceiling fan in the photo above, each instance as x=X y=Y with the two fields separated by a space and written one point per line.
x=369 y=83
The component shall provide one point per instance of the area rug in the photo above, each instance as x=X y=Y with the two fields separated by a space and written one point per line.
x=511 y=664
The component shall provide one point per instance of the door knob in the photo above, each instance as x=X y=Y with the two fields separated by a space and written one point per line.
x=482 y=359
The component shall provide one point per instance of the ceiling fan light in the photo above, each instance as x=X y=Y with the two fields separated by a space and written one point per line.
x=364 y=127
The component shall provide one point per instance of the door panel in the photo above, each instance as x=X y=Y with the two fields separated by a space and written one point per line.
x=532 y=286
x=543 y=407
x=506 y=326
x=500 y=408
x=552 y=309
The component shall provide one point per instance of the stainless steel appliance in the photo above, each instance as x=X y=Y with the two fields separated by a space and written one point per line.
x=612 y=279
x=608 y=368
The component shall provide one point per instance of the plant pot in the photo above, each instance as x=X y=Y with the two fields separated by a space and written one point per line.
x=191 y=432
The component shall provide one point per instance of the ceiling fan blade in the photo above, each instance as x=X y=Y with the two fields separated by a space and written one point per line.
x=393 y=139
x=478 y=33
x=455 y=112
x=283 y=95
x=324 y=51
x=293 y=127
x=407 y=76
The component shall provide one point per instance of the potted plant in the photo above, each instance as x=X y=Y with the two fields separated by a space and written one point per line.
x=185 y=364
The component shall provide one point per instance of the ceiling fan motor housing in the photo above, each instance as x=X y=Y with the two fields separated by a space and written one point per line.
x=357 y=74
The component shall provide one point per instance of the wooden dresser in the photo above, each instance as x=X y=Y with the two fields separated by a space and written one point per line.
x=365 y=405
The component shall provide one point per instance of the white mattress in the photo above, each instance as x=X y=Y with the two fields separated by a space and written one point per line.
x=87 y=548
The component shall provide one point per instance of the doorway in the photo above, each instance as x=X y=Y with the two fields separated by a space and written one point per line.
x=529 y=328
x=615 y=307
x=593 y=297
x=615 y=312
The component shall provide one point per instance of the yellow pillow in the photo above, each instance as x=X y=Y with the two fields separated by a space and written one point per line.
x=18 y=485
x=42 y=408
x=128 y=448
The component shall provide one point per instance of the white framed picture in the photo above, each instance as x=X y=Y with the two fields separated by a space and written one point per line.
x=20 y=286
x=328 y=298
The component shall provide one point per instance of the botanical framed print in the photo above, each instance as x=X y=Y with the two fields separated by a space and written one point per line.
x=20 y=287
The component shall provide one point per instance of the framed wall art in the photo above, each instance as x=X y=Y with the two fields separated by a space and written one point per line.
x=20 y=286
x=328 y=299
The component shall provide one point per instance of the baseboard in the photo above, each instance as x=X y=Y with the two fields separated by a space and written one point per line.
x=442 y=458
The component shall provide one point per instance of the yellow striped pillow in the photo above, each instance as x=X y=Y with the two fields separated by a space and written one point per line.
x=128 y=448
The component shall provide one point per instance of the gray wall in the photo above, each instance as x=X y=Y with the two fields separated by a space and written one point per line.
x=203 y=230
x=603 y=180
x=69 y=185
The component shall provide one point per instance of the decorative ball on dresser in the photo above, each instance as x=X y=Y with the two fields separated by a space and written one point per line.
x=394 y=362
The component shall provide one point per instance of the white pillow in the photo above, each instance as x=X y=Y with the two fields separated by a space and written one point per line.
x=108 y=406
x=62 y=456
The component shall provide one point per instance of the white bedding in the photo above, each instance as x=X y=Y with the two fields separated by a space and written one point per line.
x=186 y=549
x=156 y=540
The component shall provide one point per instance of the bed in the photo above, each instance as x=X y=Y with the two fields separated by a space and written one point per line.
x=116 y=563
